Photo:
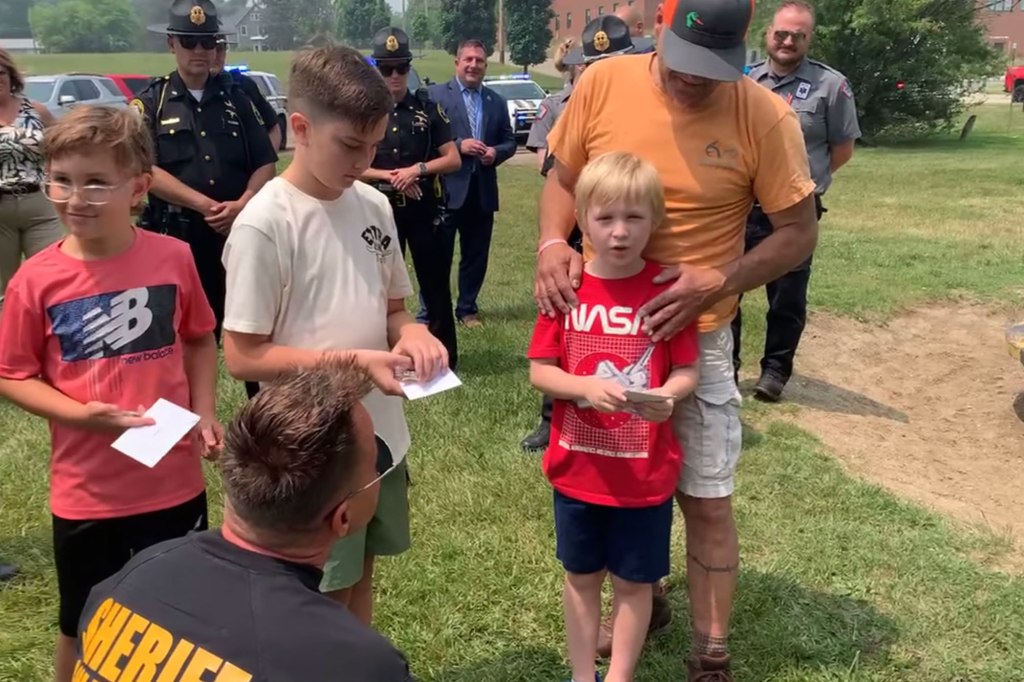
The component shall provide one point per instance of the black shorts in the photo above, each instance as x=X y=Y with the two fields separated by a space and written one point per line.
x=88 y=552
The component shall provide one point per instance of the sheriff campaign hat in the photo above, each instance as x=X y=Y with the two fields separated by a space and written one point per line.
x=190 y=18
x=605 y=36
x=391 y=45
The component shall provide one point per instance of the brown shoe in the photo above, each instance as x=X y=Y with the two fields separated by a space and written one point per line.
x=709 y=669
x=471 y=322
x=661 y=617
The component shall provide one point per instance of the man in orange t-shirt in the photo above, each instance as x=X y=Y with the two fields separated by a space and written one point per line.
x=718 y=140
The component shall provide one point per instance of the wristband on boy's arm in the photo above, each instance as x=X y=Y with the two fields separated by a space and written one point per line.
x=550 y=242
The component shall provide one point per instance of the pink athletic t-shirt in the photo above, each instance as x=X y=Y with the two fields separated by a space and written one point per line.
x=109 y=331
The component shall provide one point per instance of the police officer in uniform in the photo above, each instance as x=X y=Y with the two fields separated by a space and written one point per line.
x=822 y=98
x=252 y=91
x=212 y=149
x=417 y=150
x=606 y=36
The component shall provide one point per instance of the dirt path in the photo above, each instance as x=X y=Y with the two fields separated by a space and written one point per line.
x=930 y=406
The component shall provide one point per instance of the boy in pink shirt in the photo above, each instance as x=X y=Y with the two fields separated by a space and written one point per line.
x=613 y=459
x=94 y=330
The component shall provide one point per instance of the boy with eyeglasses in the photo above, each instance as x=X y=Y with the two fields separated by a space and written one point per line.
x=95 y=329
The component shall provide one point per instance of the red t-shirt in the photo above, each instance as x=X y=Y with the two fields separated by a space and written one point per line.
x=616 y=459
x=111 y=331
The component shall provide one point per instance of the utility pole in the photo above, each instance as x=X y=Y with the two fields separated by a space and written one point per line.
x=501 y=31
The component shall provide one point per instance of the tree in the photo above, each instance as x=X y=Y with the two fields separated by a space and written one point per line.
x=425 y=23
x=289 y=23
x=85 y=26
x=935 y=48
x=466 y=20
x=358 y=20
x=528 y=31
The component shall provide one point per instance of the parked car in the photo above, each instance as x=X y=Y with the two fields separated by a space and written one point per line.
x=271 y=88
x=130 y=84
x=61 y=92
x=523 y=96
x=1013 y=82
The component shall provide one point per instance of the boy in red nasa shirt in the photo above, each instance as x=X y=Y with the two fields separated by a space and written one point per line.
x=613 y=459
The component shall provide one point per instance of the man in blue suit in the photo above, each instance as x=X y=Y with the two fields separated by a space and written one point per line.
x=483 y=134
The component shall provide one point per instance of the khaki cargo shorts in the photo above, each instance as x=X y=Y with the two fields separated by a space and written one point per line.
x=707 y=423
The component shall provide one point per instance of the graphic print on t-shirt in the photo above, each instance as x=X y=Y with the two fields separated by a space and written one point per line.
x=618 y=354
x=115 y=323
x=377 y=242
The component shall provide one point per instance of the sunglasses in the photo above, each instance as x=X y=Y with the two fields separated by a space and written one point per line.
x=783 y=36
x=207 y=42
x=385 y=465
x=388 y=69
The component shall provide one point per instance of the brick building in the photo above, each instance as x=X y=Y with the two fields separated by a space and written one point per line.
x=572 y=15
x=1004 y=23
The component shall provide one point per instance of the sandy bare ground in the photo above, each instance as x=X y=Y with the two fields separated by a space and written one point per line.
x=930 y=406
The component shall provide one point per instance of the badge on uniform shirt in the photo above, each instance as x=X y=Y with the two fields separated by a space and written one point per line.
x=420 y=120
x=803 y=90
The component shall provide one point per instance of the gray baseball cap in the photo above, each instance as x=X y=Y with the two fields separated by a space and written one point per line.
x=706 y=38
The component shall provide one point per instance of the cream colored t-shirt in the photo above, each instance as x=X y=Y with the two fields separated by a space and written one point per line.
x=318 y=275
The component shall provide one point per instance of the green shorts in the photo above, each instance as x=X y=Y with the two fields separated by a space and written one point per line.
x=386 y=534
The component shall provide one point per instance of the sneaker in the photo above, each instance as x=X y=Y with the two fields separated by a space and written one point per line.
x=709 y=669
x=538 y=440
x=471 y=322
x=661 y=618
x=769 y=387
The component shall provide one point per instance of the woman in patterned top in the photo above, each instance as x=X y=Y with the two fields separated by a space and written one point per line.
x=28 y=222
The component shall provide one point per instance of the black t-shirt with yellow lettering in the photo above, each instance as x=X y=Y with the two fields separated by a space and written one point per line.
x=202 y=609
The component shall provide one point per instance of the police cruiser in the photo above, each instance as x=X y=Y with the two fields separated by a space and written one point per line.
x=523 y=96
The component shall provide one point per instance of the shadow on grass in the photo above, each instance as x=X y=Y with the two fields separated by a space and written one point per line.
x=810 y=392
x=478 y=361
x=781 y=626
x=513 y=665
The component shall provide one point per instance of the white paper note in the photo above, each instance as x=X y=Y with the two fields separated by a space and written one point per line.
x=149 y=444
x=444 y=381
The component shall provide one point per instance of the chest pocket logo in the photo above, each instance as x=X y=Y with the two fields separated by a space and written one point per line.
x=803 y=90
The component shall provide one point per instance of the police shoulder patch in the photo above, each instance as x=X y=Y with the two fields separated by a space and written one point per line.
x=846 y=90
x=138 y=106
x=442 y=114
x=542 y=112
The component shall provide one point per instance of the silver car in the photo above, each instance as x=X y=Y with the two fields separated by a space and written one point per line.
x=62 y=92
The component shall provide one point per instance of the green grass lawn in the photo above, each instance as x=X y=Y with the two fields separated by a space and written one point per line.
x=839 y=581
x=435 y=64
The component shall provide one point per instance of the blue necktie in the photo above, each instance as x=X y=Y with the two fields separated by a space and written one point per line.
x=471 y=109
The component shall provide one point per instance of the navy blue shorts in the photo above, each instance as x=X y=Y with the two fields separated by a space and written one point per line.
x=632 y=543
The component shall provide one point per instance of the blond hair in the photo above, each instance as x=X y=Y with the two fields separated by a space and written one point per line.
x=89 y=129
x=620 y=176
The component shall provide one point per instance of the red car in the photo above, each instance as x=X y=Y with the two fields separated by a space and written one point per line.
x=131 y=84
x=1013 y=82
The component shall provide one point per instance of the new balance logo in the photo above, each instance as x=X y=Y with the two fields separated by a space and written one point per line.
x=115 y=323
